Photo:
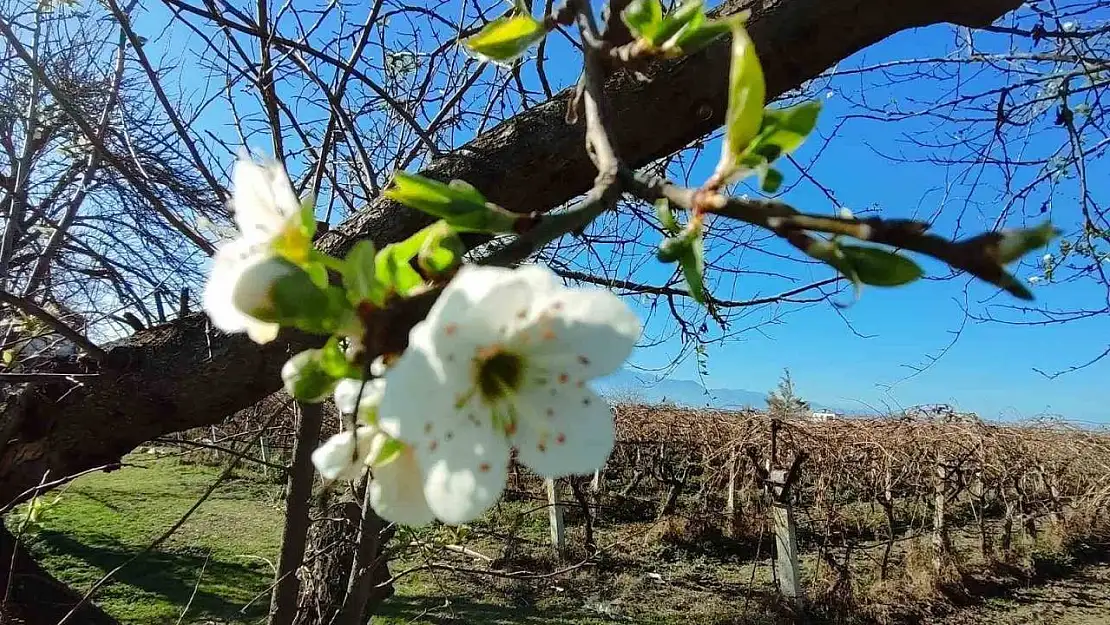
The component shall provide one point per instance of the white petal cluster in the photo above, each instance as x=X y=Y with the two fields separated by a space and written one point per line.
x=395 y=486
x=502 y=361
x=266 y=210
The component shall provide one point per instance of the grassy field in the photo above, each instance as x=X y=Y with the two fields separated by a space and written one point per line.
x=218 y=567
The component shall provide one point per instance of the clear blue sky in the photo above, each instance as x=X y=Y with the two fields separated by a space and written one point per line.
x=990 y=369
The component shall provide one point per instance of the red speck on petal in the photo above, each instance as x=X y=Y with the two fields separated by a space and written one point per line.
x=450 y=329
x=549 y=335
x=580 y=383
x=563 y=378
x=522 y=313
x=557 y=306
x=561 y=438
x=541 y=447
x=510 y=429
x=432 y=446
x=484 y=467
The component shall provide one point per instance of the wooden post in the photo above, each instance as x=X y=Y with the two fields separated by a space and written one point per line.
x=555 y=512
x=940 y=530
x=731 y=511
x=787 y=569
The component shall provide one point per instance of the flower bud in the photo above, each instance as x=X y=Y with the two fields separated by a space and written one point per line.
x=253 y=293
x=305 y=379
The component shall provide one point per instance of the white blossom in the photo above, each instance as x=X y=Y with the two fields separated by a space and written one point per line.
x=501 y=361
x=267 y=213
x=396 y=491
x=1035 y=279
x=347 y=454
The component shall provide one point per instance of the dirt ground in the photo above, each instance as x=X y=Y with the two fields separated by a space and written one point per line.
x=1080 y=599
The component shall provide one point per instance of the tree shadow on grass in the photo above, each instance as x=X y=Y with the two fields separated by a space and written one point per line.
x=224 y=588
x=400 y=609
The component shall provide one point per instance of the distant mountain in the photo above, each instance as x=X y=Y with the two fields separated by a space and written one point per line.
x=631 y=385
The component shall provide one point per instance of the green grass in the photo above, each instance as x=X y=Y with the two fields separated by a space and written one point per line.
x=224 y=550
x=220 y=560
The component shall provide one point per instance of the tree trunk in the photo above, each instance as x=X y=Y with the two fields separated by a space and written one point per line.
x=368 y=584
x=31 y=596
x=298 y=504
x=179 y=375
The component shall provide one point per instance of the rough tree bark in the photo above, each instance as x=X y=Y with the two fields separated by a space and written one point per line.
x=181 y=375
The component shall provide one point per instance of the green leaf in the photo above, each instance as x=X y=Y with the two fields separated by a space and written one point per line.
x=8 y=357
x=395 y=272
x=333 y=360
x=317 y=272
x=746 y=91
x=457 y=203
x=673 y=248
x=695 y=37
x=666 y=216
x=783 y=130
x=693 y=268
x=879 y=267
x=441 y=251
x=359 y=274
x=690 y=13
x=308 y=216
x=770 y=179
x=388 y=452
x=643 y=17
x=305 y=379
x=506 y=38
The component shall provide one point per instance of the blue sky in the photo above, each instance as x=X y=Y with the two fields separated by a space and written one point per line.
x=990 y=369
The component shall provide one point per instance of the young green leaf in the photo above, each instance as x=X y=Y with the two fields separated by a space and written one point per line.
x=690 y=14
x=693 y=268
x=7 y=357
x=305 y=379
x=879 y=267
x=333 y=360
x=457 y=203
x=783 y=130
x=673 y=248
x=395 y=271
x=770 y=179
x=360 y=274
x=441 y=251
x=643 y=18
x=388 y=452
x=746 y=91
x=666 y=216
x=694 y=37
x=505 y=39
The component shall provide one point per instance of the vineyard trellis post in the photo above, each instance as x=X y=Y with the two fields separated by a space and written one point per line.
x=555 y=516
x=777 y=484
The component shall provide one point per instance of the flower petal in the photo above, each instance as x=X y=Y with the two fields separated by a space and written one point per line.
x=344 y=455
x=253 y=204
x=583 y=333
x=230 y=261
x=367 y=394
x=397 y=492
x=464 y=472
x=563 y=429
x=417 y=397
